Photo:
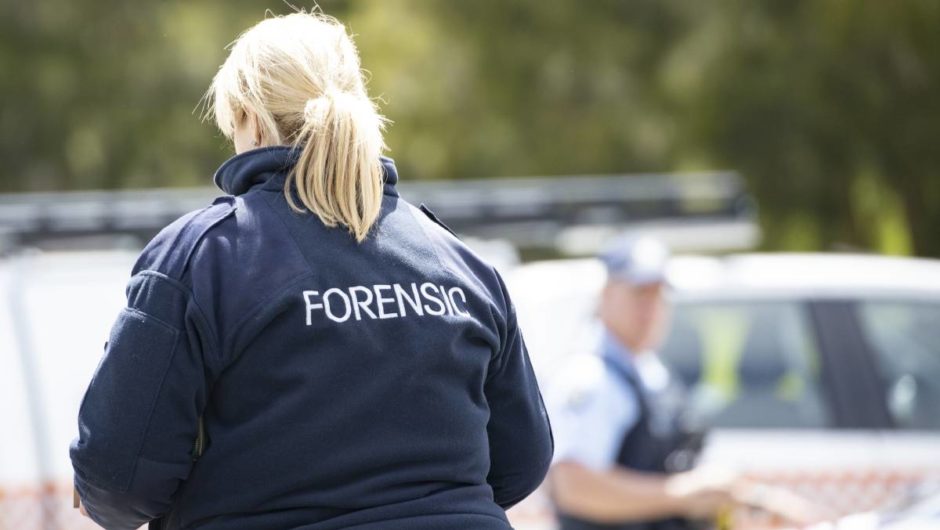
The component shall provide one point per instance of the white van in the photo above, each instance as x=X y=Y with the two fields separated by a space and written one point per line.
x=56 y=310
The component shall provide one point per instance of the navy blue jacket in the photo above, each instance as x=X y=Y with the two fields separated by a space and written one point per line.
x=374 y=385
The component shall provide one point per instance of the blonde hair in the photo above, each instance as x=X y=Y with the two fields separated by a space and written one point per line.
x=300 y=75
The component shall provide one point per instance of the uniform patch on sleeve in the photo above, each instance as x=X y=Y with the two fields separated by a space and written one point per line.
x=137 y=355
x=583 y=380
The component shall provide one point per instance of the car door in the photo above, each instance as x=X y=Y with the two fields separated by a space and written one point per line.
x=790 y=391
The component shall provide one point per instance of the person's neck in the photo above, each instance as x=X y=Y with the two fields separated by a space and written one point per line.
x=625 y=343
x=621 y=339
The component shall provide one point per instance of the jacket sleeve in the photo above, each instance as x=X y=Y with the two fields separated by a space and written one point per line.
x=138 y=420
x=520 y=434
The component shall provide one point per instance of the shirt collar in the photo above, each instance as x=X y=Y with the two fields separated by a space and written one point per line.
x=268 y=166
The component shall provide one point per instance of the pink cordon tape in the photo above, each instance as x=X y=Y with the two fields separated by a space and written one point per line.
x=41 y=507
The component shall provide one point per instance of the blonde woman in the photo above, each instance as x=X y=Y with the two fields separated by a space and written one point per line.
x=310 y=351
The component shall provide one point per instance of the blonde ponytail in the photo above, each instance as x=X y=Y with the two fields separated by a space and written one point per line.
x=299 y=74
x=339 y=175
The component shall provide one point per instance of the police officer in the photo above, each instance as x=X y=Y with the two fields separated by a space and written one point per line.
x=310 y=351
x=616 y=414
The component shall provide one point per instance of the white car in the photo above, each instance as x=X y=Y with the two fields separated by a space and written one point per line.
x=816 y=372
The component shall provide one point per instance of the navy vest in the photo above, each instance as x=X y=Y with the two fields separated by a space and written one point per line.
x=642 y=449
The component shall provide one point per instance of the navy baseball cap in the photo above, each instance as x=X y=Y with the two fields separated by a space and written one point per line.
x=636 y=259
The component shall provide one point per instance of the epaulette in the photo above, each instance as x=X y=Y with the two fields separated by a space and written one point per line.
x=170 y=251
x=427 y=211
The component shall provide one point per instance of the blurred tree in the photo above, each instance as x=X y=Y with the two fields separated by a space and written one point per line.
x=829 y=108
x=525 y=87
x=105 y=94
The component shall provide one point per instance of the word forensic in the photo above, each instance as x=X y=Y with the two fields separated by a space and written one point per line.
x=384 y=301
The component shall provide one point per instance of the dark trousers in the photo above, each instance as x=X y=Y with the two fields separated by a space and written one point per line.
x=567 y=522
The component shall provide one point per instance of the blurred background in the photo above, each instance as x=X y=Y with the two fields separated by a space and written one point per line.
x=829 y=110
x=783 y=148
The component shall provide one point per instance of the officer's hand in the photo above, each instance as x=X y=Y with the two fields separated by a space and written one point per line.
x=703 y=492
x=780 y=503
x=81 y=509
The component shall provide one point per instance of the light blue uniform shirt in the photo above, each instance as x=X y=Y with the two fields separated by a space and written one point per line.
x=592 y=407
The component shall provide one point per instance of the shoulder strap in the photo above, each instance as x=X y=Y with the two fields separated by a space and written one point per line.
x=633 y=381
x=172 y=249
x=427 y=211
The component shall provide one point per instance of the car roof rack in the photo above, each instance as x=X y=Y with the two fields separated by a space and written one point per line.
x=566 y=215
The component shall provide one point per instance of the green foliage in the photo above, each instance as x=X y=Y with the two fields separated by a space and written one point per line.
x=829 y=108
x=821 y=103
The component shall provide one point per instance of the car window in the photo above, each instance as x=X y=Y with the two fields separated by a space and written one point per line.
x=906 y=339
x=746 y=364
